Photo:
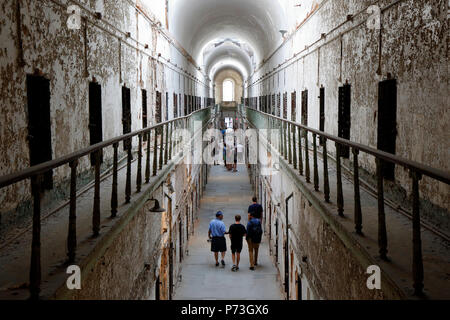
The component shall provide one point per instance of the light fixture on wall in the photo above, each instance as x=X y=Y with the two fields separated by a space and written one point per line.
x=283 y=32
x=156 y=208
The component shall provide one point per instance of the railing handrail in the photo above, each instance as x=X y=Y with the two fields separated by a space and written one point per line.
x=41 y=168
x=437 y=174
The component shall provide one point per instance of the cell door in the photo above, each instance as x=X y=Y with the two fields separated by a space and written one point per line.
x=286 y=267
x=387 y=123
x=187 y=223
x=299 y=285
x=270 y=221
x=263 y=104
x=95 y=117
x=322 y=113
x=171 y=261
x=193 y=200
x=144 y=110
x=175 y=105
x=305 y=108
x=158 y=107
x=285 y=106
x=344 y=121
x=180 y=231
x=276 y=241
x=39 y=125
x=164 y=274
x=273 y=107
x=158 y=289
x=167 y=106
x=126 y=115
x=294 y=106
x=279 y=105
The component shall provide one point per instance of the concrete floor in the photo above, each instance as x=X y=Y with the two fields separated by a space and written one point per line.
x=230 y=193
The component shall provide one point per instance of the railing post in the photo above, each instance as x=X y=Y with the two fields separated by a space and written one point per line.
x=161 y=148
x=280 y=149
x=326 y=180
x=270 y=129
x=96 y=210
x=155 y=152
x=285 y=151
x=166 y=144
x=340 y=195
x=289 y=143
x=72 y=233
x=175 y=138
x=307 y=170
x=171 y=140
x=139 y=166
x=147 y=164
x=294 y=147
x=358 y=214
x=178 y=136
x=316 y=168
x=382 y=233
x=300 y=151
x=417 y=241
x=35 y=263
x=128 y=176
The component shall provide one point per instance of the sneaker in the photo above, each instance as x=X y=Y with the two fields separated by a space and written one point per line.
x=223 y=263
x=217 y=264
x=252 y=268
x=234 y=269
x=237 y=268
x=256 y=264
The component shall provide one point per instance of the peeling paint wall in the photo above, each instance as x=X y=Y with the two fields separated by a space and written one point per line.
x=327 y=268
x=130 y=266
x=70 y=60
x=414 y=50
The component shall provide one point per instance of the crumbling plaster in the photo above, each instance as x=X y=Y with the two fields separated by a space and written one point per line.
x=57 y=53
x=414 y=51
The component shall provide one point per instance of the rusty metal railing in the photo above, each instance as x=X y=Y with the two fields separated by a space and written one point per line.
x=162 y=154
x=292 y=150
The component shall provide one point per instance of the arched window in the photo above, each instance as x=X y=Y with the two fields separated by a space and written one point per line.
x=228 y=90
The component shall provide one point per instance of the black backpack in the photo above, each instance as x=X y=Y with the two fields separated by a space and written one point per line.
x=256 y=232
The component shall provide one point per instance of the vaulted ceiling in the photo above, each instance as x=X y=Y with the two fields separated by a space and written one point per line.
x=239 y=32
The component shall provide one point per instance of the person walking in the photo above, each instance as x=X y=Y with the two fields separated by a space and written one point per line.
x=216 y=233
x=236 y=232
x=254 y=236
x=256 y=209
